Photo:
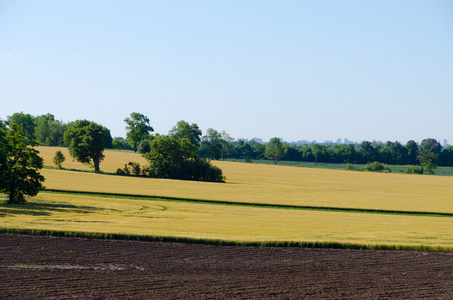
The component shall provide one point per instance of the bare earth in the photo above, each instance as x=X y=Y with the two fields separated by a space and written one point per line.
x=34 y=267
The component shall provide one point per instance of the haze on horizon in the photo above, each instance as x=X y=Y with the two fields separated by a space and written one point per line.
x=299 y=70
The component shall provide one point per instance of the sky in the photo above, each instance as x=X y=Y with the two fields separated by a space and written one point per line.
x=298 y=70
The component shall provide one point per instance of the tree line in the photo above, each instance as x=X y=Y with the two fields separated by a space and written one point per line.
x=184 y=153
x=216 y=145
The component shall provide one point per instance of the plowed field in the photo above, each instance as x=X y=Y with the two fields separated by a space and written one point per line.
x=37 y=267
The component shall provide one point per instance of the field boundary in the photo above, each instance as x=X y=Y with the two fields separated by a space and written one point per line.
x=251 y=204
x=219 y=242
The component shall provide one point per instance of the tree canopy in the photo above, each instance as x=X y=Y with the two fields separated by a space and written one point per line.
x=86 y=142
x=183 y=129
x=19 y=165
x=176 y=159
x=27 y=122
x=137 y=126
x=274 y=150
x=212 y=141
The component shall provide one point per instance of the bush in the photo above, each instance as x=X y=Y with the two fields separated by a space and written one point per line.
x=349 y=167
x=376 y=167
x=131 y=168
x=414 y=170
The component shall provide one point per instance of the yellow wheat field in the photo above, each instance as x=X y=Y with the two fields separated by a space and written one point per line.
x=113 y=159
x=270 y=184
x=234 y=223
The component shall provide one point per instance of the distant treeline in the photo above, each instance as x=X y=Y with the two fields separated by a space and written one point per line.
x=48 y=131
x=392 y=153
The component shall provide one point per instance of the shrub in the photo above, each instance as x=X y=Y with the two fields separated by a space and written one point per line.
x=414 y=170
x=349 y=167
x=376 y=167
x=131 y=168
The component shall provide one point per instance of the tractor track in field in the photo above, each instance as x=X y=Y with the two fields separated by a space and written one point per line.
x=42 y=267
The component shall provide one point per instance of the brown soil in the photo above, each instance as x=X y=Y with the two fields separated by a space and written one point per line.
x=33 y=267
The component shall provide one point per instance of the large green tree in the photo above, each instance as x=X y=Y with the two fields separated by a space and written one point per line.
x=176 y=159
x=213 y=143
x=183 y=129
x=427 y=154
x=412 y=152
x=274 y=150
x=137 y=126
x=49 y=131
x=19 y=165
x=27 y=122
x=86 y=142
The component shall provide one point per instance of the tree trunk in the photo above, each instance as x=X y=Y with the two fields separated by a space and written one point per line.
x=96 y=163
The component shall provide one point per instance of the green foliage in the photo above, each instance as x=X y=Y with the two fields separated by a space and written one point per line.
x=48 y=131
x=183 y=129
x=131 y=168
x=349 y=167
x=376 y=167
x=446 y=157
x=59 y=158
x=19 y=166
x=414 y=170
x=137 y=129
x=86 y=142
x=176 y=159
x=274 y=150
x=108 y=140
x=428 y=153
x=144 y=146
x=3 y=158
x=120 y=144
x=212 y=141
x=27 y=122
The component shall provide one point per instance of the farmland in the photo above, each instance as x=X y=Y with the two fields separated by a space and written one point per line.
x=258 y=203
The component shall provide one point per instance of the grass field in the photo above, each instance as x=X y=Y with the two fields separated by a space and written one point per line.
x=246 y=183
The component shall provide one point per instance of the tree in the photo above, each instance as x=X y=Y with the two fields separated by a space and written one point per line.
x=320 y=152
x=183 y=129
x=307 y=154
x=108 y=140
x=121 y=144
x=19 y=166
x=291 y=153
x=274 y=150
x=258 y=150
x=59 y=158
x=176 y=159
x=86 y=142
x=397 y=152
x=49 y=131
x=446 y=157
x=213 y=142
x=227 y=146
x=137 y=129
x=412 y=152
x=3 y=158
x=144 y=147
x=366 y=152
x=427 y=154
x=243 y=150
x=27 y=122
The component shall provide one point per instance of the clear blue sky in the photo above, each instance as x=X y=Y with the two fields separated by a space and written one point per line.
x=314 y=70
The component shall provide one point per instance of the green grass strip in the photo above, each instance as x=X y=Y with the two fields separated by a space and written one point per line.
x=218 y=242
x=247 y=204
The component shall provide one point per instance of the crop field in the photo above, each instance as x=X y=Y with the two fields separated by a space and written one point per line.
x=291 y=210
x=258 y=203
